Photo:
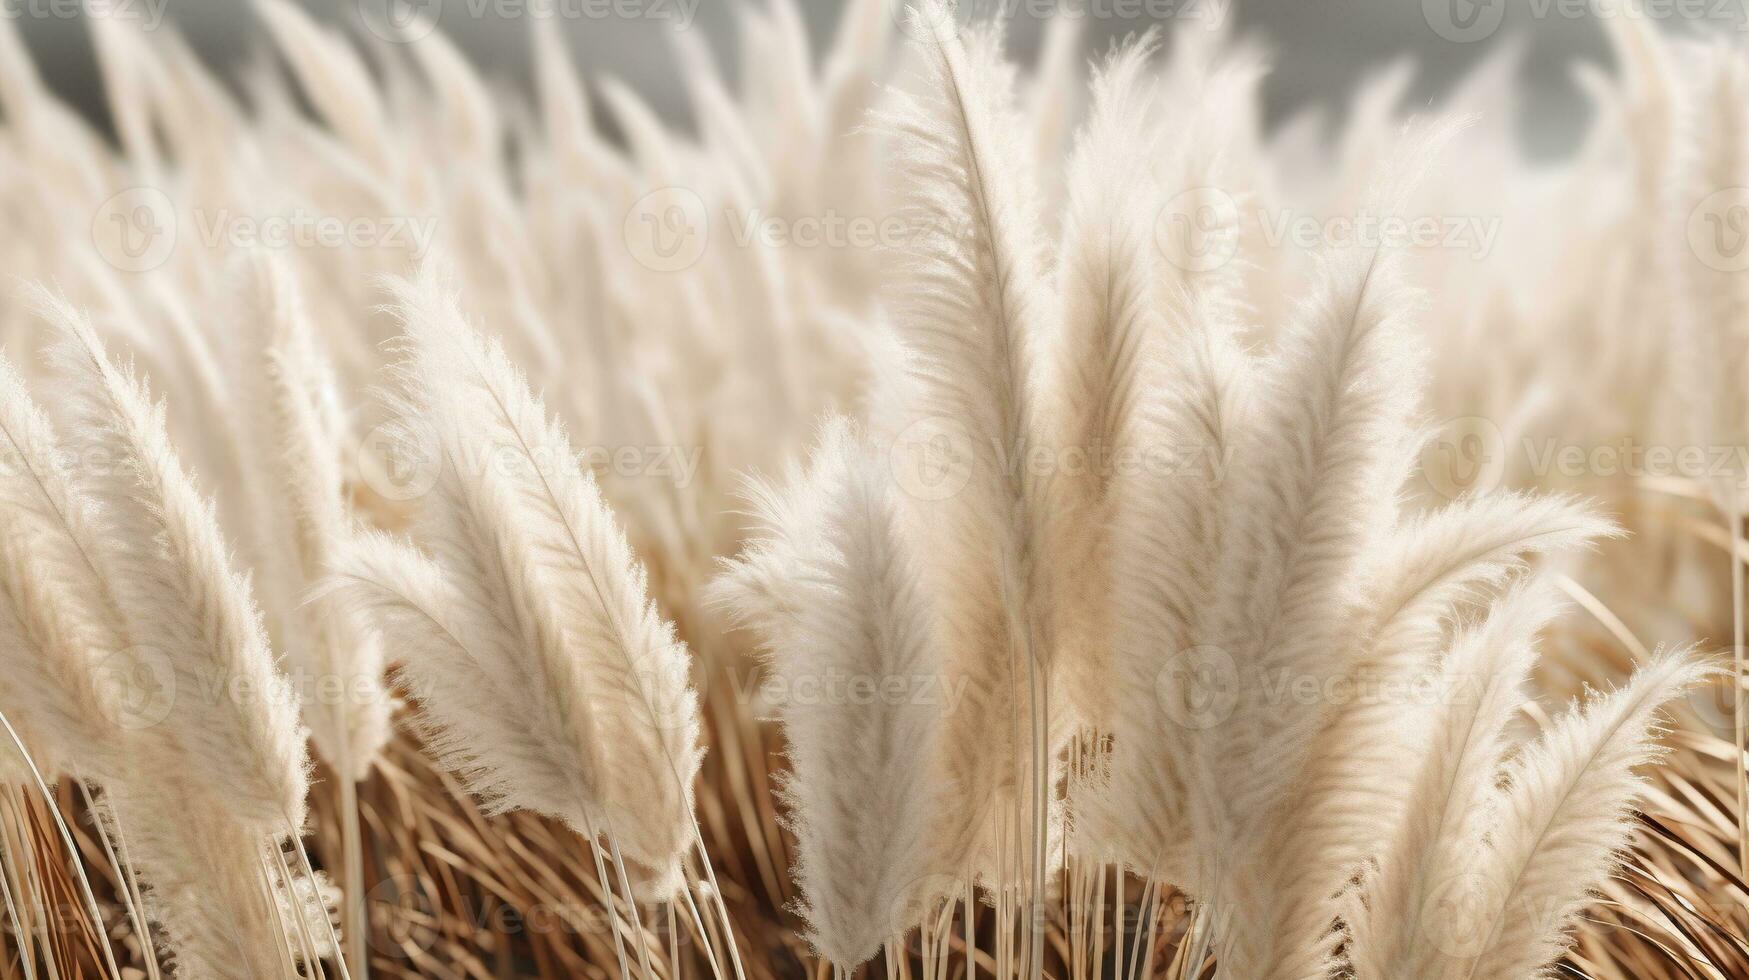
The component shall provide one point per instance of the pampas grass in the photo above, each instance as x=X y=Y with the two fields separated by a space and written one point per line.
x=971 y=317
x=552 y=685
x=1083 y=579
x=177 y=592
x=833 y=586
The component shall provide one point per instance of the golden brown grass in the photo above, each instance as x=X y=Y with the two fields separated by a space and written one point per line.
x=454 y=894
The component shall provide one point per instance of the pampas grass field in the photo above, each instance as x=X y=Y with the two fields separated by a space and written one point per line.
x=933 y=517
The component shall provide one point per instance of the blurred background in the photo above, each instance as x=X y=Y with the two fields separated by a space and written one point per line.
x=1320 y=50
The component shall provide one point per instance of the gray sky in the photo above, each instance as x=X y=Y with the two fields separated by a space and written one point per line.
x=1321 y=47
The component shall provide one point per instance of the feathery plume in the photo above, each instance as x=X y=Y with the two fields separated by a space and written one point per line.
x=49 y=656
x=67 y=617
x=1312 y=488
x=514 y=755
x=235 y=716
x=1461 y=742
x=1559 y=824
x=299 y=456
x=1714 y=339
x=223 y=917
x=1105 y=357
x=333 y=79
x=1425 y=571
x=501 y=699
x=970 y=312
x=516 y=519
x=1167 y=539
x=1713 y=330
x=865 y=785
